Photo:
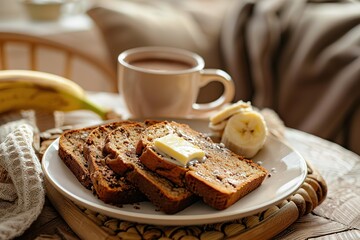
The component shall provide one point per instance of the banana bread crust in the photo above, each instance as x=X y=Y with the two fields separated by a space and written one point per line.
x=71 y=152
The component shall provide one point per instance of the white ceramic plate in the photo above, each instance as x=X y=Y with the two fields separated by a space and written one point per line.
x=287 y=167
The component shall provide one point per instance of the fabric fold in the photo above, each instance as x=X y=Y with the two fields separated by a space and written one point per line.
x=300 y=58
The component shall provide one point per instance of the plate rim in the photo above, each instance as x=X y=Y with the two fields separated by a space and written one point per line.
x=174 y=219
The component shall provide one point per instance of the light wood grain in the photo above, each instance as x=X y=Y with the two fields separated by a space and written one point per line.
x=60 y=53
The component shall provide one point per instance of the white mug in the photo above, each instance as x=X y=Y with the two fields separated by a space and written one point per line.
x=165 y=82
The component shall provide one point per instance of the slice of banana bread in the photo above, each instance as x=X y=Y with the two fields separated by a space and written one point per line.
x=121 y=165
x=71 y=152
x=165 y=195
x=108 y=186
x=221 y=180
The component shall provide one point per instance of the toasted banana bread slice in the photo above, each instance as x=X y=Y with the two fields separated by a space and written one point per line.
x=165 y=195
x=71 y=152
x=123 y=164
x=221 y=180
x=108 y=186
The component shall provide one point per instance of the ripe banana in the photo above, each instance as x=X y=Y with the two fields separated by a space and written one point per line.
x=218 y=121
x=218 y=128
x=25 y=89
x=245 y=133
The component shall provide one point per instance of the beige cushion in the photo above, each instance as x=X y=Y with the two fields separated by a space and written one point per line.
x=132 y=23
x=128 y=24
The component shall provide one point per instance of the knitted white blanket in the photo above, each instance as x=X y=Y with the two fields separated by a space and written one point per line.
x=22 y=193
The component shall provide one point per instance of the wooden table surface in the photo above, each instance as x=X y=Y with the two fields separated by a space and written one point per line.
x=338 y=217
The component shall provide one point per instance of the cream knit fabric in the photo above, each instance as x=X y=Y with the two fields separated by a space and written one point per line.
x=22 y=193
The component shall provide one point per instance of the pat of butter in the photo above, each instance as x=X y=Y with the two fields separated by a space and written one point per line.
x=178 y=148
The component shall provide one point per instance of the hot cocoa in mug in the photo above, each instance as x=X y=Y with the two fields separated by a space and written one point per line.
x=165 y=82
x=161 y=64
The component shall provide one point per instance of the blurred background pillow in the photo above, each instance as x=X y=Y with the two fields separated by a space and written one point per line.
x=192 y=25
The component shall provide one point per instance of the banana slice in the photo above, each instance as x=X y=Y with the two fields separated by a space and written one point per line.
x=218 y=127
x=245 y=133
x=229 y=111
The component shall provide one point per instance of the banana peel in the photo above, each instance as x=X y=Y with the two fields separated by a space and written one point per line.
x=26 y=89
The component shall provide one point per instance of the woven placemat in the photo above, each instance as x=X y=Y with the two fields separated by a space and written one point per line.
x=88 y=224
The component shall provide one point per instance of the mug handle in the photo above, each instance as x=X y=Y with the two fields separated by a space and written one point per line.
x=210 y=75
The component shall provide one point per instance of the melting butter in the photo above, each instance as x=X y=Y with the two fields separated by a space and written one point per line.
x=179 y=149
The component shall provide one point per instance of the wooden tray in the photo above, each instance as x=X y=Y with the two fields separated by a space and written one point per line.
x=88 y=224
